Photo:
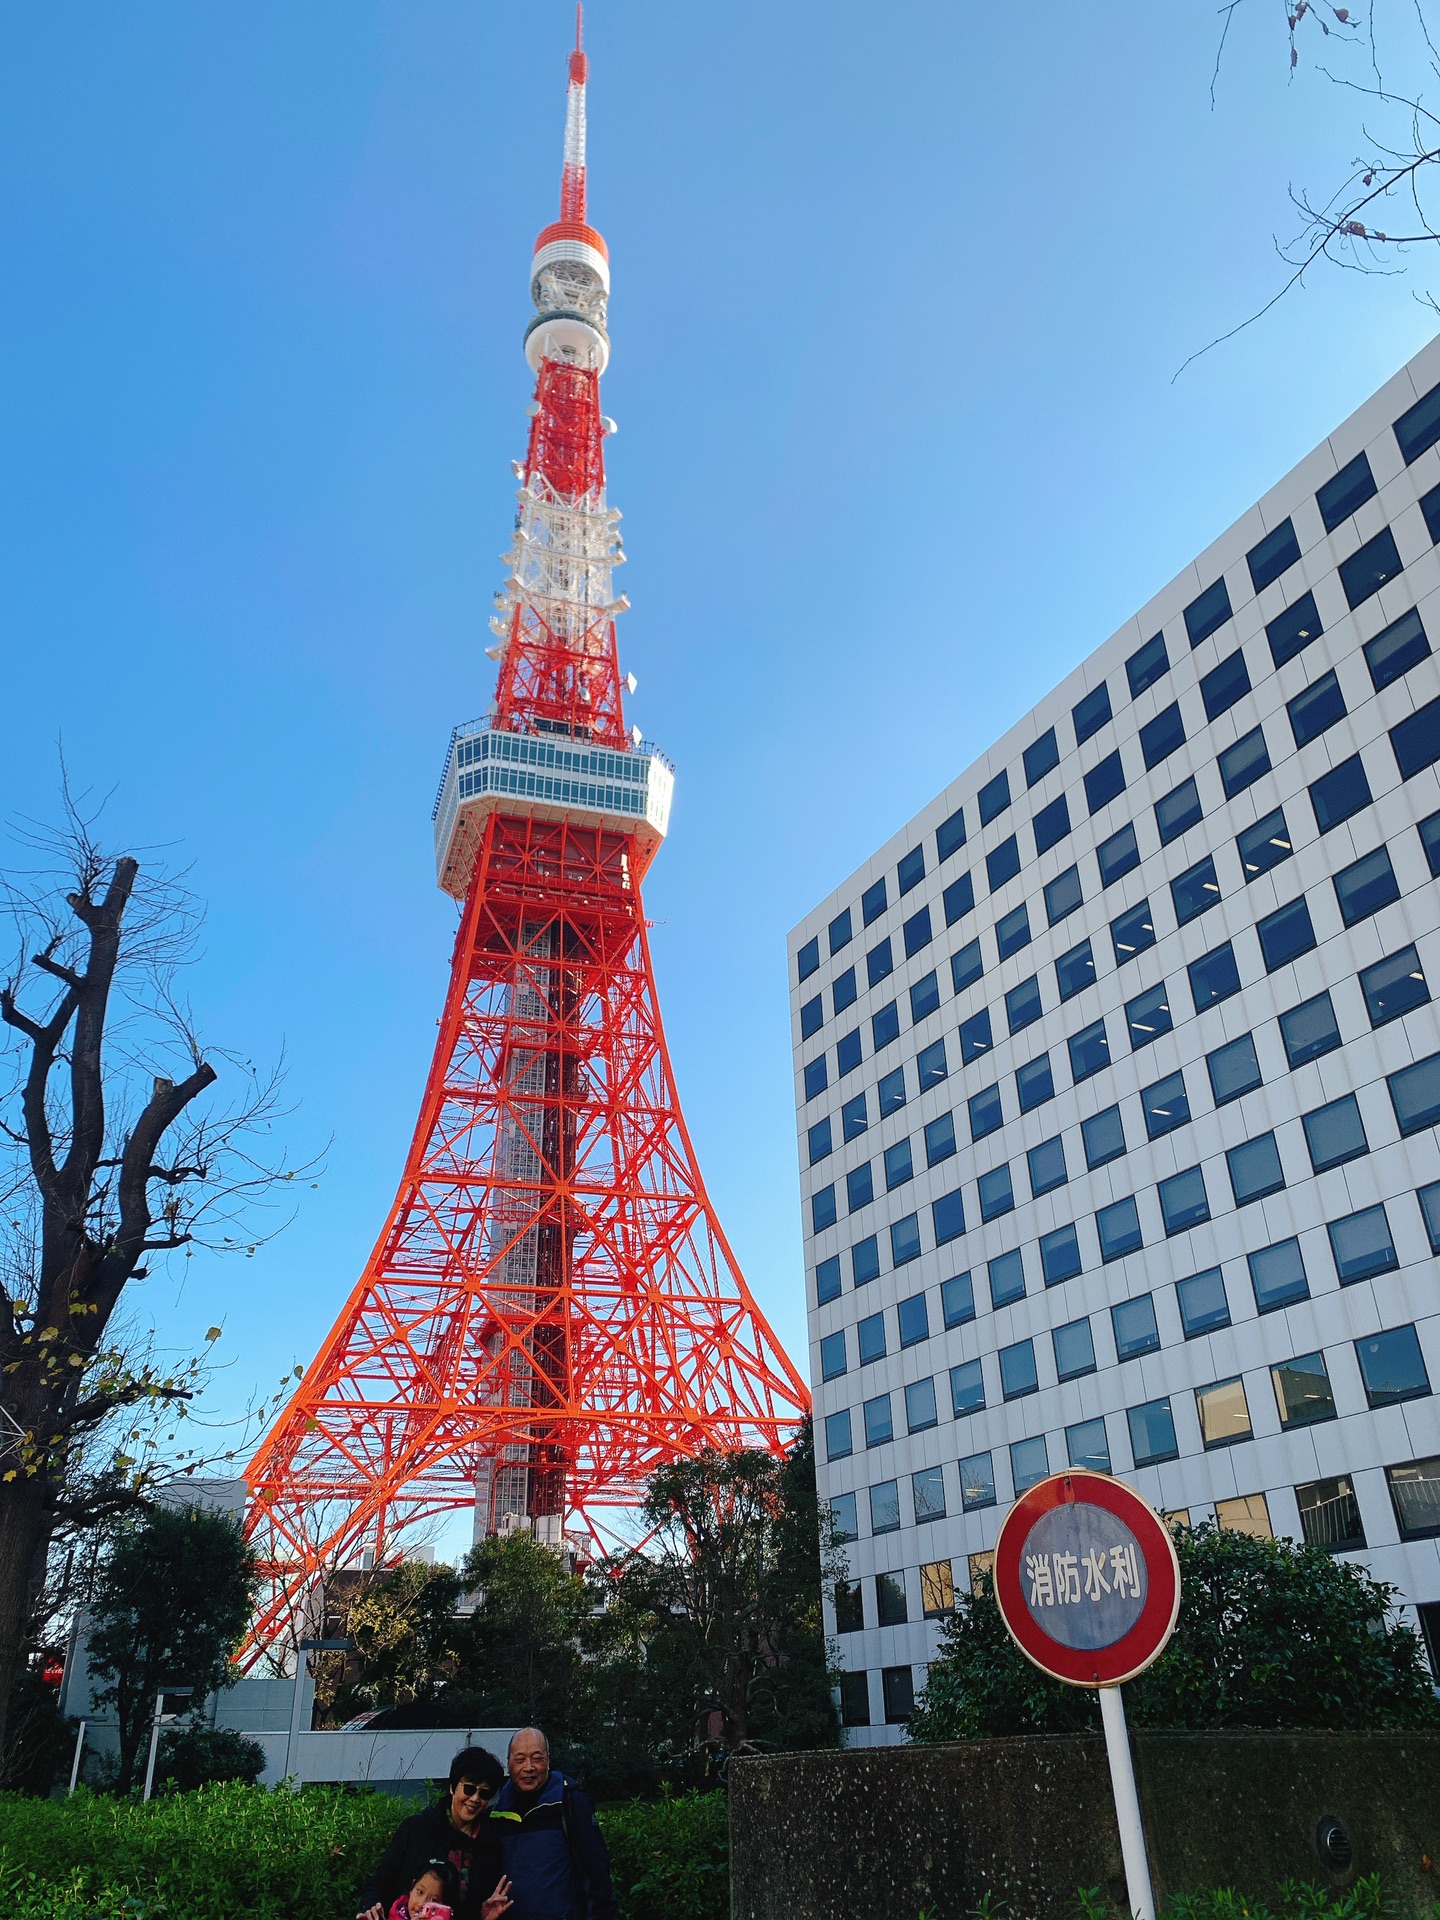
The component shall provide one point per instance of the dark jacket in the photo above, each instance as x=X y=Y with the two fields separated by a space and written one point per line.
x=554 y=1854
x=430 y=1836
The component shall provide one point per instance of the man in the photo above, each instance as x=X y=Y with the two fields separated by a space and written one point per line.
x=454 y=1829
x=550 y=1843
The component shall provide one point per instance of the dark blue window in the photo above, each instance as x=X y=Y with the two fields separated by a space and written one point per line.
x=1277 y=1276
x=1062 y=895
x=840 y=931
x=1104 y=1137
x=885 y=1025
x=1339 y=794
x=1285 y=934
x=966 y=966
x=911 y=870
x=822 y=1209
x=1264 y=845
x=1012 y=931
x=1415 y=1095
x=812 y=1017
x=914 y=1321
x=827 y=1280
x=957 y=1307
x=996 y=1194
x=1430 y=507
x=1022 y=1004
x=1184 y=1202
x=859 y=1187
x=950 y=835
x=1040 y=756
x=1309 y=1030
x=1213 y=977
x=1365 y=572
x=1350 y=488
x=967 y=1388
x=1132 y=932
x=1366 y=886
x=843 y=989
x=994 y=798
x=930 y=1067
x=1118 y=1226
x=975 y=1036
x=890 y=1090
x=1416 y=741
x=1075 y=970
x=1059 y=1255
x=872 y=902
x=1074 y=1349
x=1091 y=713
x=807 y=960
x=1392 y=1367
x=1104 y=782
x=924 y=998
x=1160 y=737
x=1034 y=1083
x=1233 y=1069
x=1255 y=1169
x=847 y=1052
x=1165 y=1104
x=1269 y=557
x=1147 y=665
x=939 y=1139
x=899 y=1165
x=1429 y=831
x=865 y=1261
x=1394 y=986
x=948 y=1216
x=1403 y=644
x=1152 y=1432
x=1419 y=427
x=905 y=1240
x=1317 y=709
x=1292 y=631
x=879 y=961
x=819 y=1140
x=1118 y=855
x=1052 y=823
x=1007 y=1279
x=1195 y=891
x=986 y=1114
x=1017 y=1370
x=916 y=932
x=1203 y=1305
x=1335 y=1133
x=1243 y=763
x=838 y=1441
x=1089 y=1051
x=1133 y=1324
x=871 y=1342
x=1003 y=864
x=1178 y=811
x=817 y=1077
x=853 y=1118
x=1207 y=612
x=1047 y=1166
x=1224 y=685
x=1148 y=1015
x=958 y=898
x=832 y=1356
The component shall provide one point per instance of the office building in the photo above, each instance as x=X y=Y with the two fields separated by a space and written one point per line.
x=1118 y=1080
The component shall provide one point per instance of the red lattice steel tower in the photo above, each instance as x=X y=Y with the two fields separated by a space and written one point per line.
x=551 y=1310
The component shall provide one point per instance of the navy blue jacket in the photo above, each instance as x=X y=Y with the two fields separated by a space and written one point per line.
x=553 y=1853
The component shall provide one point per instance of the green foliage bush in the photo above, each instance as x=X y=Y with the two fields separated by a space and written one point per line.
x=236 y=1852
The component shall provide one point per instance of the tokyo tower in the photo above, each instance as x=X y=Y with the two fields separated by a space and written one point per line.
x=551 y=1310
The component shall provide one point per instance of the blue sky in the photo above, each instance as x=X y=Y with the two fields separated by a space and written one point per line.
x=898 y=297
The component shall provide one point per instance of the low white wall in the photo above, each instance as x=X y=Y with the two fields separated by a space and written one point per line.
x=386 y=1758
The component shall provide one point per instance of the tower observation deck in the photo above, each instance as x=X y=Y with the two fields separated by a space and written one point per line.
x=551 y=1310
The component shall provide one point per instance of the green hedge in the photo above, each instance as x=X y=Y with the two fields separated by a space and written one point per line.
x=247 y=1853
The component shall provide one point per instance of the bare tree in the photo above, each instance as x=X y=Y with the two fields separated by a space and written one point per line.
x=114 y=1152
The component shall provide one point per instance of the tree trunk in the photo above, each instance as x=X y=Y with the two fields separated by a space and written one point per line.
x=24 y=1536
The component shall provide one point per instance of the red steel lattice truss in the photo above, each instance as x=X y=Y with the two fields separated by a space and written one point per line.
x=552 y=1309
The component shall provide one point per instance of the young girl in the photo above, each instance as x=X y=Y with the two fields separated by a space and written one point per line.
x=436 y=1894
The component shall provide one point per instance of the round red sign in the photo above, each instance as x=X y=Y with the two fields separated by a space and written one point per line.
x=1087 y=1579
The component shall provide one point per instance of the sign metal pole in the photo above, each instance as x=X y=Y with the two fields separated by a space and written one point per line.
x=1127 y=1805
x=75 y=1763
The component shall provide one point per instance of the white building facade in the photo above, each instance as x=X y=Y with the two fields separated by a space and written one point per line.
x=1118 y=1080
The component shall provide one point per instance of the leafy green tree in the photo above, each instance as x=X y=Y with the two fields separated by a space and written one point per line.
x=171 y=1606
x=520 y=1658
x=1269 y=1634
x=194 y=1755
x=406 y=1642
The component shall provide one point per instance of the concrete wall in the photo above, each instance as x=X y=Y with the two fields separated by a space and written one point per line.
x=395 y=1761
x=906 y=1830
